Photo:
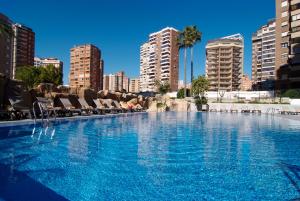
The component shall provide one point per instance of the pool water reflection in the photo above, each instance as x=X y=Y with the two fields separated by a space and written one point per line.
x=167 y=156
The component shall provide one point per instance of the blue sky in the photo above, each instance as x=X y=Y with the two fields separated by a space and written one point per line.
x=119 y=27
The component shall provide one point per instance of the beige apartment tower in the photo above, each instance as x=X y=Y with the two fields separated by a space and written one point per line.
x=288 y=44
x=134 y=85
x=85 y=69
x=116 y=82
x=224 y=63
x=159 y=60
x=263 y=57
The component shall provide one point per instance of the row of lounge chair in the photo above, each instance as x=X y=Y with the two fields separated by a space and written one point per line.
x=284 y=110
x=64 y=107
x=47 y=108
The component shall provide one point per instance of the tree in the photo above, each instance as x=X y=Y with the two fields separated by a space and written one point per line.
x=292 y=93
x=180 y=94
x=33 y=76
x=196 y=37
x=50 y=74
x=162 y=87
x=185 y=40
x=29 y=75
x=200 y=86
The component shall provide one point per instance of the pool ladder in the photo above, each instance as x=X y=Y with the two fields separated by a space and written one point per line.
x=44 y=112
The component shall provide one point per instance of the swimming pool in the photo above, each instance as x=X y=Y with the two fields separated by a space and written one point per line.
x=167 y=156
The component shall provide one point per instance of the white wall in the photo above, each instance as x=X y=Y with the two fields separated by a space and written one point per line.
x=248 y=95
x=295 y=102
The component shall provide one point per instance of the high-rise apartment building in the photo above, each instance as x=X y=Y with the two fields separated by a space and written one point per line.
x=85 y=67
x=224 y=63
x=47 y=62
x=101 y=73
x=23 y=46
x=134 y=85
x=159 y=60
x=263 y=57
x=116 y=82
x=288 y=43
x=6 y=47
x=246 y=84
x=145 y=75
x=126 y=82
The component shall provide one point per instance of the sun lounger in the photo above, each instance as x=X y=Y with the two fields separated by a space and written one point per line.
x=85 y=107
x=68 y=107
x=213 y=108
x=223 y=108
x=288 y=110
x=19 y=99
x=46 y=107
x=117 y=105
x=256 y=110
x=108 y=104
x=245 y=109
x=100 y=108
x=233 y=109
x=135 y=107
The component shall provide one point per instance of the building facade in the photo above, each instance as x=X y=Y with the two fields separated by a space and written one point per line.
x=263 y=57
x=116 y=82
x=134 y=85
x=224 y=63
x=43 y=62
x=246 y=84
x=101 y=73
x=288 y=44
x=159 y=60
x=23 y=47
x=6 y=47
x=48 y=61
x=85 y=69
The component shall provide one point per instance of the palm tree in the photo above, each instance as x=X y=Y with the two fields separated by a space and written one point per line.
x=196 y=37
x=185 y=40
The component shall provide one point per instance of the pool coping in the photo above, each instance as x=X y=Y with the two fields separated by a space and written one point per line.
x=63 y=119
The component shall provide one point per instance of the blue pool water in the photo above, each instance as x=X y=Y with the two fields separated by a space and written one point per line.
x=168 y=156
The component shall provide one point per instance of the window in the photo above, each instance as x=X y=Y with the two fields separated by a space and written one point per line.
x=284 y=34
x=284 y=24
x=284 y=4
x=296 y=17
x=284 y=45
x=284 y=14
x=295 y=29
x=295 y=7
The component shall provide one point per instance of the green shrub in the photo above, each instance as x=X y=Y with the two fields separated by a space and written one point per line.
x=180 y=94
x=291 y=93
x=200 y=101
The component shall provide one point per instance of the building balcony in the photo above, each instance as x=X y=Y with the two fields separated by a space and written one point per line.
x=295 y=35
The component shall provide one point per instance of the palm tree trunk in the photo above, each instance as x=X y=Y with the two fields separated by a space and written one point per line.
x=192 y=64
x=185 y=71
x=192 y=68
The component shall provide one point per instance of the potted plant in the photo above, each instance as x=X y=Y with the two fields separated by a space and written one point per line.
x=199 y=87
x=201 y=102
